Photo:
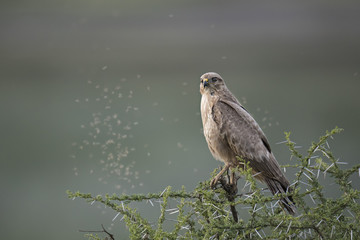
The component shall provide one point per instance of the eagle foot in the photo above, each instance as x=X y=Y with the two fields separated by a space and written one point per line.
x=229 y=184
x=215 y=180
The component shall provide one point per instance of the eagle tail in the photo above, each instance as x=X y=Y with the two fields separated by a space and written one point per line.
x=277 y=187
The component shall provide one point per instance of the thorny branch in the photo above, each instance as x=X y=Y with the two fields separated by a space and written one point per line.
x=202 y=214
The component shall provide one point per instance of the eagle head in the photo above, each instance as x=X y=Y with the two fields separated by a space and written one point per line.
x=211 y=82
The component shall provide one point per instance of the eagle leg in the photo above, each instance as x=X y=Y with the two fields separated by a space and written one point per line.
x=232 y=178
x=218 y=176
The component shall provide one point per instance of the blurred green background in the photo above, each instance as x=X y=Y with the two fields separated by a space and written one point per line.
x=103 y=96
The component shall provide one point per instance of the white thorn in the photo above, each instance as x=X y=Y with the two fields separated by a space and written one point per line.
x=258 y=234
x=332 y=231
x=304 y=183
x=344 y=163
x=246 y=184
x=162 y=192
x=278 y=225
x=307 y=176
x=171 y=209
x=325 y=153
x=327 y=144
x=293 y=183
x=316 y=148
x=289 y=227
x=185 y=227
x=258 y=209
x=174 y=212
x=310 y=171
x=218 y=216
x=312 y=198
x=116 y=216
x=319 y=223
x=328 y=169
x=276 y=203
x=317 y=175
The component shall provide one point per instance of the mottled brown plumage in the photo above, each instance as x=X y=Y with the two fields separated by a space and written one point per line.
x=231 y=131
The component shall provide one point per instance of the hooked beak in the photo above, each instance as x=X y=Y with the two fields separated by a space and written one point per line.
x=206 y=82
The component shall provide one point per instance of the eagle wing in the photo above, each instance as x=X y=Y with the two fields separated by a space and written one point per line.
x=245 y=137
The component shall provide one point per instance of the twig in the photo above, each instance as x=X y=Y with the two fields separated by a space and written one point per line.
x=100 y=231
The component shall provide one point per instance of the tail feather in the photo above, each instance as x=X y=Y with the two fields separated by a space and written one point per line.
x=275 y=187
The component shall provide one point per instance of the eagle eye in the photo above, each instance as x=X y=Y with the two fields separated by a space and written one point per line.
x=214 y=79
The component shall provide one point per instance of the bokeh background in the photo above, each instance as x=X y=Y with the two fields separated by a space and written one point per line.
x=103 y=96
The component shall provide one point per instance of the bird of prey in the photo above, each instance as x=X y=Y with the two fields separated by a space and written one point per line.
x=231 y=132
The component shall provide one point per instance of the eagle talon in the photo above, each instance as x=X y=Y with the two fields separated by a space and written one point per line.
x=213 y=183
x=215 y=180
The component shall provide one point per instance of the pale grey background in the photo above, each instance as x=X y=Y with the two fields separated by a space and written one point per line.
x=296 y=64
